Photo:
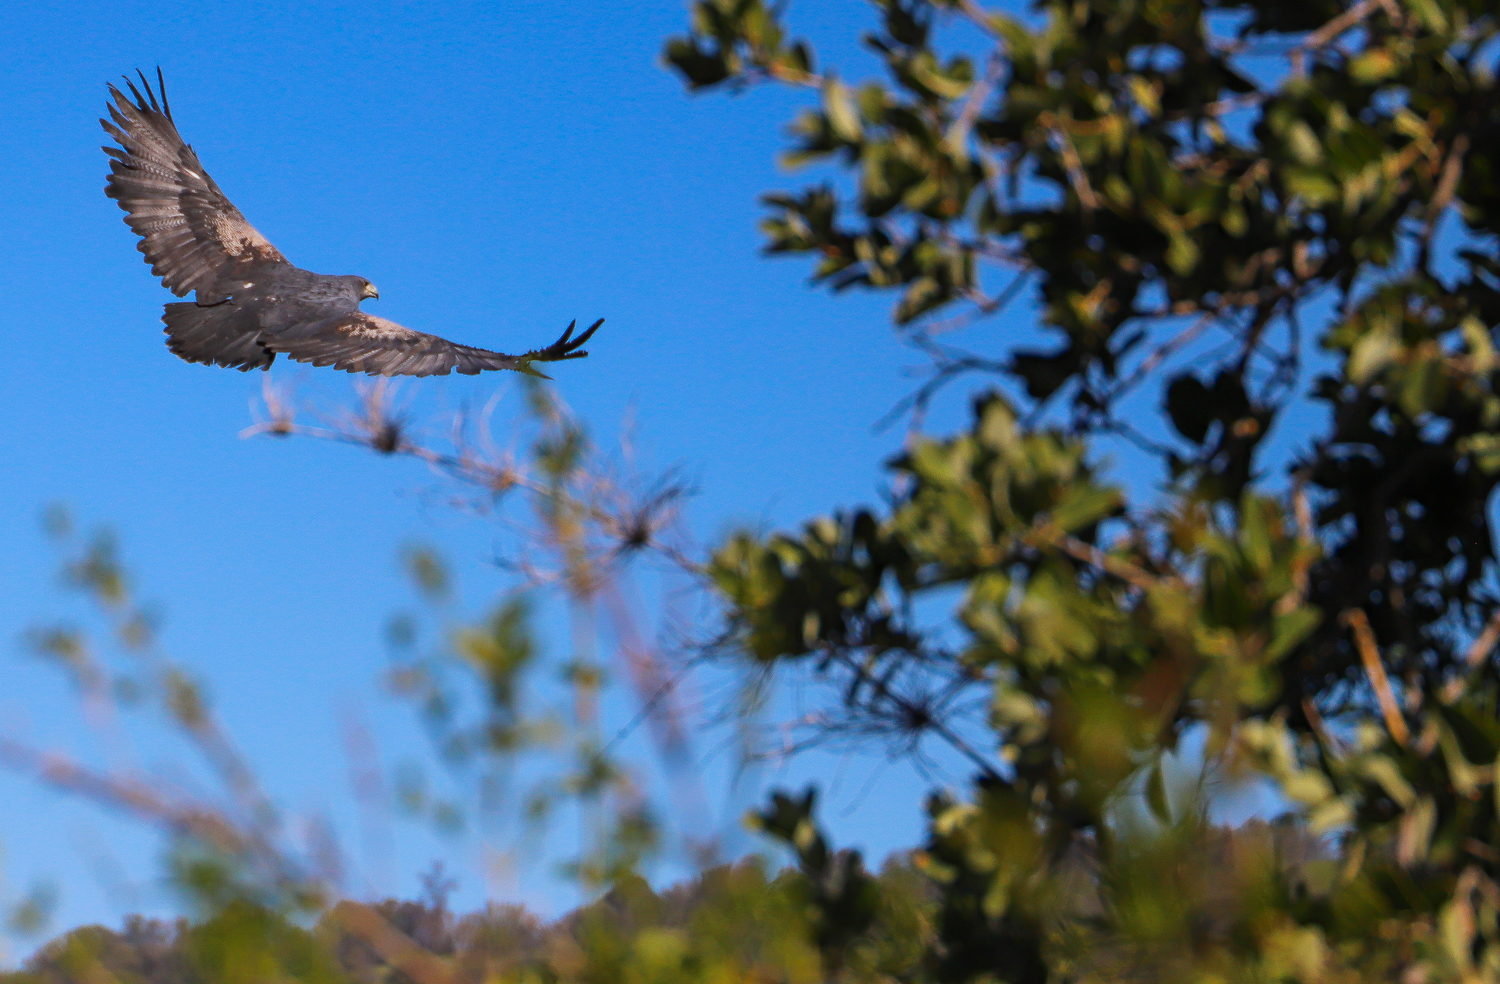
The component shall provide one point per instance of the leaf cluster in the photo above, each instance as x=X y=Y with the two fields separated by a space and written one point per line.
x=1261 y=215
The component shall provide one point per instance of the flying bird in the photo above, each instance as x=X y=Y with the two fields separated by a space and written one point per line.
x=251 y=303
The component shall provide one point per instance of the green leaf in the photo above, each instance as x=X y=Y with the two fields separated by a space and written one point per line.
x=1308 y=787
x=1085 y=505
x=525 y=369
x=1156 y=794
x=1424 y=386
x=1182 y=254
x=1190 y=407
x=922 y=295
x=839 y=108
x=700 y=68
x=1043 y=373
x=1430 y=14
x=1256 y=532
x=1019 y=42
x=1303 y=143
x=1315 y=188
x=1145 y=96
x=1235 y=221
x=1374 y=65
x=1289 y=629
x=1485 y=449
x=1371 y=354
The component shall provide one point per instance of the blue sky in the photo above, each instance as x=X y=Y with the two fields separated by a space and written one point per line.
x=498 y=170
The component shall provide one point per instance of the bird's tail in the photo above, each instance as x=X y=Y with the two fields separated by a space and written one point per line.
x=217 y=335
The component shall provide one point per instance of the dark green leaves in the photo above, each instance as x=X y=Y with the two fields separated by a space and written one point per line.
x=1194 y=407
x=732 y=38
x=1189 y=405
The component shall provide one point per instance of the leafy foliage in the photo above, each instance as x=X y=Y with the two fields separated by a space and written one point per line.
x=731 y=922
x=1274 y=215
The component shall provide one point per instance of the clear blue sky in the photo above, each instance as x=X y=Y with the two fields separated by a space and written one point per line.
x=498 y=170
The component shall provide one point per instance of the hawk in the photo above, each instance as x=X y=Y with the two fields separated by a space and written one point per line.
x=251 y=303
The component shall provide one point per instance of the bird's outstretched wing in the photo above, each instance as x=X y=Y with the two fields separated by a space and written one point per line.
x=360 y=342
x=190 y=233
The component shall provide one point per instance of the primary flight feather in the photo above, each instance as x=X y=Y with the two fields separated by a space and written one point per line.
x=251 y=303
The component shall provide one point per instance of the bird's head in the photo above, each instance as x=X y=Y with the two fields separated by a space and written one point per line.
x=367 y=289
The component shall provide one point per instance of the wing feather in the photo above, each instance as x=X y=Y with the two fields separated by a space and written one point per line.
x=360 y=342
x=191 y=234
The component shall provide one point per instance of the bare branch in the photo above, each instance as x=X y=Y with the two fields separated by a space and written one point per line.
x=1161 y=353
x=1369 y=654
x=1135 y=576
x=1481 y=649
x=958 y=133
x=1331 y=31
x=1072 y=162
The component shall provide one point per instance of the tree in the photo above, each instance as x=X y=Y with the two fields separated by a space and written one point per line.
x=1256 y=215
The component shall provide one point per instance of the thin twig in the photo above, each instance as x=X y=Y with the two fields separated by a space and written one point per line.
x=1131 y=574
x=1369 y=654
x=202 y=823
x=1229 y=105
x=1306 y=539
x=1315 y=721
x=937 y=727
x=1330 y=32
x=373 y=429
x=958 y=133
x=1479 y=651
x=983 y=307
x=1453 y=169
x=1161 y=353
x=944 y=373
x=1072 y=162
x=978 y=15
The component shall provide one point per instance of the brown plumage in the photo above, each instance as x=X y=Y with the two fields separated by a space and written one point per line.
x=251 y=303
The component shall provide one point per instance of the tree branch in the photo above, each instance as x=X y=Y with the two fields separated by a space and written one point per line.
x=1369 y=654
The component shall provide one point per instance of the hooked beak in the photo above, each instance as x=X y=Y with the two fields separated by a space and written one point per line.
x=370 y=291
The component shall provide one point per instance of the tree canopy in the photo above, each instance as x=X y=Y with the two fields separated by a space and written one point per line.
x=1235 y=217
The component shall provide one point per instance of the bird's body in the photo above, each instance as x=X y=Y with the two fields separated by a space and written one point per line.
x=250 y=302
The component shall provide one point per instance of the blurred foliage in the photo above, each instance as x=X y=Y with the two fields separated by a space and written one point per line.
x=730 y=923
x=1234 y=216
